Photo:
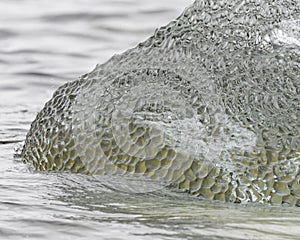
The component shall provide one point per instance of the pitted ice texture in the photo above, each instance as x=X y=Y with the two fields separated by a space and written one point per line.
x=209 y=104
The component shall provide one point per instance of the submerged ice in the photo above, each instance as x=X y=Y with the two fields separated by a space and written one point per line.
x=209 y=104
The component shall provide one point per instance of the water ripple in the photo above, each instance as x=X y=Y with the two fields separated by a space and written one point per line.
x=80 y=16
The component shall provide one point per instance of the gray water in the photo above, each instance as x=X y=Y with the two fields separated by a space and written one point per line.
x=44 y=44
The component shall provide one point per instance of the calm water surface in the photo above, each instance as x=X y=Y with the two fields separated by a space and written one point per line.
x=46 y=43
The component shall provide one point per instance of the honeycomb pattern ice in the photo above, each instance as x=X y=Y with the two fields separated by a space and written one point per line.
x=209 y=104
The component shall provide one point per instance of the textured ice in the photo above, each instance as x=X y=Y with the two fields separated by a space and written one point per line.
x=209 y=103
